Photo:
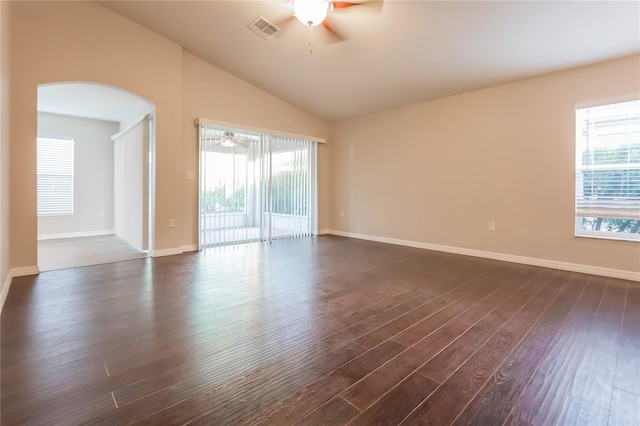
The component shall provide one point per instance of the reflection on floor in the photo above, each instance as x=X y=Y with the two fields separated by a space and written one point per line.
x=214 y=237
x=65 y=253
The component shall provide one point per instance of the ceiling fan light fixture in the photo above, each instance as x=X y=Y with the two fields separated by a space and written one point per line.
x=311 y=12
x=229 y=140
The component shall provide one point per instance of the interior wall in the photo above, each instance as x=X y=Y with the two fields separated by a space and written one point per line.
x=84 y=41
x=4 y=150
x=93 y=174
x=131 y=154
x=209 y=92
x=439 y=171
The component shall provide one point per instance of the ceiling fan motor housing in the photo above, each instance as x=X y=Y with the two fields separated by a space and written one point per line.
x=311 y=12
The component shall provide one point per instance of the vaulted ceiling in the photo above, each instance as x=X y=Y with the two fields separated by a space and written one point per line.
x=404 y=53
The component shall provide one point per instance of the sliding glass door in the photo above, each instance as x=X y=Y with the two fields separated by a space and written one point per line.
x=293 y=188
x=255 y=186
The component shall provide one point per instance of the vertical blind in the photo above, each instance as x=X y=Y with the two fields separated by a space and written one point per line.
x=293 y=178
x=230 y=172
x=254 y=186
x=54 y=165
x=608 y=161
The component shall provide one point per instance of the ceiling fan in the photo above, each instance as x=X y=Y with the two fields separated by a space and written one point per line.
x=312 y=13
x=230 y=140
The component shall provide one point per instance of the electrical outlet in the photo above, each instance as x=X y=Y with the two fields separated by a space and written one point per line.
x=172 y=223
x=191 y=175
x=492 y=226
x=341 y=213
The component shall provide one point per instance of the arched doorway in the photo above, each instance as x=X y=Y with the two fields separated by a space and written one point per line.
x=95 y=174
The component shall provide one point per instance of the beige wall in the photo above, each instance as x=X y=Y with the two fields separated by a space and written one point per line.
x=213 y=94
x=80 y=41
x=4 y=146
x=84 y=41
x=438 y=171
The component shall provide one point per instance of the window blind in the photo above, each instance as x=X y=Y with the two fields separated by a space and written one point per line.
x=608 y=161
x=54 y=176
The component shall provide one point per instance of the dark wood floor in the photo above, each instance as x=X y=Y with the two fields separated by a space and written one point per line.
x=323 y=331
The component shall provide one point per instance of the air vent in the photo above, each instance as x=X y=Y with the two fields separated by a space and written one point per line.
x=263 y=28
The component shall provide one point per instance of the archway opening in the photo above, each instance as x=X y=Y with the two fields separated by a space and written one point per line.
x=95 y=175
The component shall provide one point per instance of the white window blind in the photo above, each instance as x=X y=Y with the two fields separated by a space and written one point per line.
x=55 y=176
x=608 y=171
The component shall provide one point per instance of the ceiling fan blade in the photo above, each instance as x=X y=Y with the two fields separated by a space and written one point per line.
x=371 y=5
x=332 y=34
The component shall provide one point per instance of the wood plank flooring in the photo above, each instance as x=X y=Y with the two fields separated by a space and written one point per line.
x=320 y=331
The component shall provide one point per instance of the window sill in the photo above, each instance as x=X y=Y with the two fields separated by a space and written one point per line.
x=634 y=238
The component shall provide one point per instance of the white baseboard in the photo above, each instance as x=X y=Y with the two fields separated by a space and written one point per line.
x=24 y=271
x=186 y=249
x=545 y=263
x=15 y=272
x=324 y=232
x=5 y=290
x=76 y=234
x=166 y=252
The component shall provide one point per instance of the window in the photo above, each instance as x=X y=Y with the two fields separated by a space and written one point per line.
x=226 y=176
x=55 y=176
x=290 y=178
x=608 y=171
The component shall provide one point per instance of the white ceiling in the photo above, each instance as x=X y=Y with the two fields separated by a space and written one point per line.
x=92 y=101
x=409 y=52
